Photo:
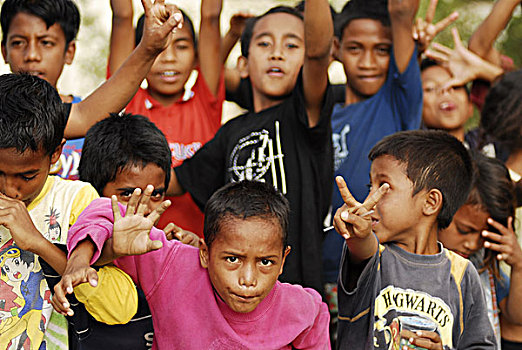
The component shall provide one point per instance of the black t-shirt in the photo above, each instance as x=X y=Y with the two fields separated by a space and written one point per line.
x=277 y=146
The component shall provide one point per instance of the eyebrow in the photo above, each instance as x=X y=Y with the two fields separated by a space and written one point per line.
x=287 y=35
x=29 y=172
x=42 y=36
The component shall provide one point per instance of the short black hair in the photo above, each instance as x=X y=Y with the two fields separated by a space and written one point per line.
x=246 y=36
x=118 y=142
x=186 y=22
x=32 y=115
x=501 y=115
x=63 y=12
x=434 y=160
x=243 y=200
x=361 y=9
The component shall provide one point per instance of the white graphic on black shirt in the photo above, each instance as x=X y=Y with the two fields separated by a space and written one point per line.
x=340 y=146
x=257 y=154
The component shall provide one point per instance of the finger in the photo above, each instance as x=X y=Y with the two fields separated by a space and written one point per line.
x=133 y=202
x=436 y=56
x=433 y=336
x=92 y=277
x=372 y=200
x=143 y=206
x=169 y=228
x=154 y=245
x=450 y=84
x=444 y=23
x=345 y=193
x=340 y=225
x=424 y=343
x=56 y=307
x=442 y=49
x=358 y=223
x=456 y=37
x=156 y=213
x=61 y=299
x=494 y=246
x=503 y=230
x=115 y=208
x=430 y=12
x=492 y=236
x=147 y=5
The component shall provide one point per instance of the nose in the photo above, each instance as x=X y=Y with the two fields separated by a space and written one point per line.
x=247 y=278
x=10 y=188
x=474 y=242
x=367 y=59
x=169 y=54
x=32 y=52
x=277 y=52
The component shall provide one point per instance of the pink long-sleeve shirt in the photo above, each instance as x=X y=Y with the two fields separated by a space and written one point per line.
x=186 y=311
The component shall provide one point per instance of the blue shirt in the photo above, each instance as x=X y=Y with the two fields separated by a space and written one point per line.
x=357 y=128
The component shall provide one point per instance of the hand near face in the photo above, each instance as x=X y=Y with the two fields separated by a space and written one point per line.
x=160 y=21
x=422 y=339
x=131 y=232
x=504 y=242
x=15 y=217
x=352 y=219
x=424 y=30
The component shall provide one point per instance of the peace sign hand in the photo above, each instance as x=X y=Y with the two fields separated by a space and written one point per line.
x=352 y=220
x=424 y=30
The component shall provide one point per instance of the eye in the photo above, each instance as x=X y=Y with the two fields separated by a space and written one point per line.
x=383 y=50
x=232 y=259
x=182 y=47
x=126 y=193
x=48 y=43
x=429 y=89
x=16 y=43
x=267 y=262
x=292 y=46
x=263 y=43
x=6 y=268
x=28 y=178
x=157 y=195
x=353 y=49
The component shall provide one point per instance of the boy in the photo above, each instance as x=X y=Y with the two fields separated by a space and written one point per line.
x=38 y=37
x=228 y=289
x=286 y=140
x=188 y=117
x=36 y=210
x=383 y=94
x=410 y=291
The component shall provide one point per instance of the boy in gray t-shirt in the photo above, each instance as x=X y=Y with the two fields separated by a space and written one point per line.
x=411 y=291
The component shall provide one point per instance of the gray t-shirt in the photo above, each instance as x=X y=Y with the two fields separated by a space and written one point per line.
x=400 y=290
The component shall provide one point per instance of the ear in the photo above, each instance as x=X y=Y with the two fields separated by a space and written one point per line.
x=70 y=51
x=285 y=254
x=242 y=66
x=433 y=202
x=4 y=53
x=203 y=254
x=57 y=152
x=335 y=50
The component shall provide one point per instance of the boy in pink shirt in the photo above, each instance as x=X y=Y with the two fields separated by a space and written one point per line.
x=224 y=295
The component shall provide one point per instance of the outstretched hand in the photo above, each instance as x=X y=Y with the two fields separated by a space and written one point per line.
x=131 y=232
x=160 y=20
x=352 y=220
x=464 y=65
x=172 y=231
x=74 y=275
x=424 y=30
x=504 y=242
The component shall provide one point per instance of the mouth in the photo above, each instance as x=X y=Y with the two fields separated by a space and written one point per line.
x=36 y=73
x=447 y=106
x=244 y=298
x=465 y=256
x=375 y=221
x=370 y=78
x=17 y=275
x=169 y=75
x=275 y=72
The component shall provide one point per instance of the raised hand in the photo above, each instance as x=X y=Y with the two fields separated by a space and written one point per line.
x=463 y=64
x=424 y=30
x=352 y=219
x=422 y=340
x=238 y=22
x=160 y=21
x=131 y=232
x=172 y=231
x=504 y=242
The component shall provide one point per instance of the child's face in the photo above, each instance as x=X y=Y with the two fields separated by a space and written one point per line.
x=446 y=110
x=245 y=260
x=463 y=235
x=398 y=213
x=276 y=55
x=32 y=47
x=172 y=68
x=16 y=270
x=134 y=177
x=23 y=175
x=365 y=54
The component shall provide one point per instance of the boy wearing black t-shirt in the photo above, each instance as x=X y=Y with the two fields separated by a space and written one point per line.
x=286 y=140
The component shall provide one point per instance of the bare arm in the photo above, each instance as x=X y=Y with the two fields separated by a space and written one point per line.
x=209 y=47
x=482 y=40
x=116 y=92
x=122 y=41
x=318 y=40
x=174 y=188
x=402 y=14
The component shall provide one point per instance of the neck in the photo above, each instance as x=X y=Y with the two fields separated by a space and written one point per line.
x=514 y=161
x=457 y=133
x=351 y=97
x=262 y=102
x=424 y=242
x=166 y=100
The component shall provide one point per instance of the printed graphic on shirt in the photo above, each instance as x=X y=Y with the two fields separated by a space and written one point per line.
x=397 y=309
x=23 y=297
x=340 y=146
x=54 y=232
x=257 y=155
x=180 y=151
x=67 y=166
